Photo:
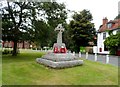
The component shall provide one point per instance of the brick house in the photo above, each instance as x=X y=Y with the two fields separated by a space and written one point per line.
x=20 y=45
x=102 y=34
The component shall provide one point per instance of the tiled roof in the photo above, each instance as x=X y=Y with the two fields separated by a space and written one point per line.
x=115 y=24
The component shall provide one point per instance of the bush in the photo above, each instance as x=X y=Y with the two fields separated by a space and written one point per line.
x=86 y=49
x=113 y=51
x=9 y=51
x=82 y=49
x=38 y=48
x=5 y=51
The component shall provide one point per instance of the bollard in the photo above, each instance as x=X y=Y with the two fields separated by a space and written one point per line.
x=74 y=53
x=86 y=55
x=107 y=59
x=69 y=51
x=95 y=56
x=40 y=49
x=79 y=54
x=45 y=50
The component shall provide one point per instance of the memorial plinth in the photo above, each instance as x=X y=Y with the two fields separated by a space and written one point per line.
x=59 y=58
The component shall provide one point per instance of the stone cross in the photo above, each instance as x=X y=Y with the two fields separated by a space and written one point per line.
x=59 y=36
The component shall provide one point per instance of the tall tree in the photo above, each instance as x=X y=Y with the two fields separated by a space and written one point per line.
x=27 y=20
x=16 y=22
x=55 y=13
x=81 y=30
x=42 y=33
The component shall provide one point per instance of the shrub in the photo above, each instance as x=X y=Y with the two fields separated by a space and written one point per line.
x=5 y=51
x=33 y=48
x=9 y=51
x=82 y=49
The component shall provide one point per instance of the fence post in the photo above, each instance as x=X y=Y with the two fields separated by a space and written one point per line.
x=40 y=49
x=107 y=59
x=74 y=53
x=79 y=54
x=95 y=56
x=45 y=50
x=86 y=55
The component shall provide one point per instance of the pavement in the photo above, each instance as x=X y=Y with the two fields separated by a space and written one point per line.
x=113 y=60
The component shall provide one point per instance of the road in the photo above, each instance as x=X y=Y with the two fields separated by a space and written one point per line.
x=114 y=60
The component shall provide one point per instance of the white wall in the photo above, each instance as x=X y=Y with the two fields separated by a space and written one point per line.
x=100 y=42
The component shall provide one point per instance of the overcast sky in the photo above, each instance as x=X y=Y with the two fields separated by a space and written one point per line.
x=98 y=8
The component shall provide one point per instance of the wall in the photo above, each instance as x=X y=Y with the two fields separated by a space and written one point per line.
x=10 y=44
x=100 y=42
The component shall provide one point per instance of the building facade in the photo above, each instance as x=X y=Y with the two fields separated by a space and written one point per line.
x=20 y=45
x=102 y=34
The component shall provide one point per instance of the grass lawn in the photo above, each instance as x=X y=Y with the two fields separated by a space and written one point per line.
x=23 y=70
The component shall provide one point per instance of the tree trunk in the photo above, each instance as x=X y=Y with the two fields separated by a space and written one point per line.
x=23 y=45
x=14 y=49
x=78 y=49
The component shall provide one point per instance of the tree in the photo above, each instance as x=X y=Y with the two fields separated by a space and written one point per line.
x=113 y=42
x=16 y=22
x=42 y=33
x=55 y=13
x=81 y=30
x=21 y=21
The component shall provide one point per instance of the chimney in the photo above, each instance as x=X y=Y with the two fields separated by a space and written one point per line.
x=105 y=20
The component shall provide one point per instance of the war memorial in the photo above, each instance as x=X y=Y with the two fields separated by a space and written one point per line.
x=59 y=58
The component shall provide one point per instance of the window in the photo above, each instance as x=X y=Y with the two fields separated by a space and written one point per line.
x=105 y=48
x=109 y=25
x=104 y=35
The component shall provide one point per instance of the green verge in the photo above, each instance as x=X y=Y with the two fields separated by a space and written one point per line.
x=23 y=70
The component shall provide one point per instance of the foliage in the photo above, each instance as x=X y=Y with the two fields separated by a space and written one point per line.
x=112 y=42
x=21 y=22
x=41 y=34
x=9 y=51
x=110 y=32
x=81 y=29
x=82 y=49
x=16 y=18
x=55 y=13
